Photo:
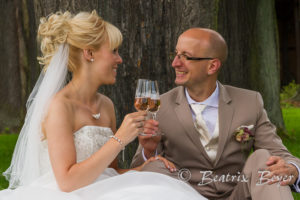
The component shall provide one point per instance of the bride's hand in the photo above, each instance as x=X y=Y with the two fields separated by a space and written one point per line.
x=168 y=164
x=132 y=125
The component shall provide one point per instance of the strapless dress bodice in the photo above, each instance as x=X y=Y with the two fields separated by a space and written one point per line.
x=90 y=139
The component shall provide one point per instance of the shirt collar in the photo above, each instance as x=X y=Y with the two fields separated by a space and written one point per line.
x=212 y=100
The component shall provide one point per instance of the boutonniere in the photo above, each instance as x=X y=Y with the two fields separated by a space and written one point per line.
x=243 y=133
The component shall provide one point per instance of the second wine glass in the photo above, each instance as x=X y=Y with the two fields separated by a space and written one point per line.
x=142 y=96
x=154 y=101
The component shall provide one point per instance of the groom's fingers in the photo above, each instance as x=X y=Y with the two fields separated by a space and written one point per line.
x=272 y=160
x=150 y=127
x=149 y=131
x=272 y=177
x=151 y=123
x=282 y=175
x=146 y=135
x=286 y=182
x=280 y=171
x=274 y=167
x=279 y=168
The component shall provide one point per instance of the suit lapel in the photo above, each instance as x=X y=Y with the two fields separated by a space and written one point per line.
x=225 y=119
x=184 y=115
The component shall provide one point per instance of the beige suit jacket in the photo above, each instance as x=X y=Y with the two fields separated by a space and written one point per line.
x=182 y=146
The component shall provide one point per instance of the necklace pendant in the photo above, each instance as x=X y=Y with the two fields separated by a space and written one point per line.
x=96 y=116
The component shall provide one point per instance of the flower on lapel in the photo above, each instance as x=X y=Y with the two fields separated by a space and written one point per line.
x=243 y=133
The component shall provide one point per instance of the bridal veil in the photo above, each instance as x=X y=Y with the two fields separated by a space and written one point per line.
x=28 y=160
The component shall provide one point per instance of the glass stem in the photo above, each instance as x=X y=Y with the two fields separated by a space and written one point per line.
x=154 y=115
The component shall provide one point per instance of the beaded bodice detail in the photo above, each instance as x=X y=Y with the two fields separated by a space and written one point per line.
x=90 y=139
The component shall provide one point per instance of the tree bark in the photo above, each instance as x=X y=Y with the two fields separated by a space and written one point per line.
x=250 y=28
x=151 y=28
x=10 y=77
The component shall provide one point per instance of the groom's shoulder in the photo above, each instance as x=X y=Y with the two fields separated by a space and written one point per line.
x=173 y=93
x=238 y=92
x=235 y=89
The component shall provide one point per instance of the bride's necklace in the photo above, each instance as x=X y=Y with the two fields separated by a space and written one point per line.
x=96 y=116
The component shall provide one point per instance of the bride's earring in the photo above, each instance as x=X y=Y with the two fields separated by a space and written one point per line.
x=92 y=60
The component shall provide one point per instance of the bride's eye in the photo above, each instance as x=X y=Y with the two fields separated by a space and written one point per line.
x=115 y=51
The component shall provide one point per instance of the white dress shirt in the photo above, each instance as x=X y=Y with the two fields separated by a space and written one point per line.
x=210 y=113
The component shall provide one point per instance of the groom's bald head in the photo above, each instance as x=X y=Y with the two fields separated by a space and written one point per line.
x=212 y=43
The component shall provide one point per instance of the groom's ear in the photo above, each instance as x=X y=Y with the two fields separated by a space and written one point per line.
x=214 y=66
x=88 y=54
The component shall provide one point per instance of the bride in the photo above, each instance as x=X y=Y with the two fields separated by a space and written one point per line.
x=68 y=145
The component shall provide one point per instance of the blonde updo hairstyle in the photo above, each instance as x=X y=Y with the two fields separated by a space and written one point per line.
x=82 y=31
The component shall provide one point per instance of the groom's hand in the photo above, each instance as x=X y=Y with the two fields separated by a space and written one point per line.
x=150 y=142
x=150 y=127
x=279 y=168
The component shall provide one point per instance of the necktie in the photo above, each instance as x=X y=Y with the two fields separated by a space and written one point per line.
x=199 y=121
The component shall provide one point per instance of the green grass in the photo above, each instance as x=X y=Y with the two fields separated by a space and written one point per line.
x=291 y=118
x=7 y=143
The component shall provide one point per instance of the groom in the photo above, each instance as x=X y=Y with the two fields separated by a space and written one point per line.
x=210 y=129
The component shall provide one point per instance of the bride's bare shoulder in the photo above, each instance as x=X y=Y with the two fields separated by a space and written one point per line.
x=60 y=102
x=59 y=111
x=106 y=105
x=105 y=100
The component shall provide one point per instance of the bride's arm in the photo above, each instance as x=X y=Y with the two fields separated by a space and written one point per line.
x=59 y=132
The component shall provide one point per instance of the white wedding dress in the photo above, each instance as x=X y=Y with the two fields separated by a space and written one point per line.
x=109 y=186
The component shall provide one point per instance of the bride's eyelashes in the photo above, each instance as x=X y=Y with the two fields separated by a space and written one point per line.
x=115 y=51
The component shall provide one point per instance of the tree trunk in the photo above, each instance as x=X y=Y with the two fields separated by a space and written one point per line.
x=151 y=28
x=250 y=28
x=10 y=77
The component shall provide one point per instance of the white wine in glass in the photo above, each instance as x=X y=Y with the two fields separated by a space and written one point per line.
x=141 y=103
x=154 y=100
x=142 y=95
x=154 y=103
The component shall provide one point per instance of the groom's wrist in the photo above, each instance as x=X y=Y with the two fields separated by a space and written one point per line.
x=296 y=186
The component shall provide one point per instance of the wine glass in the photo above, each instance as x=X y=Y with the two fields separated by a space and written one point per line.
x=154 y=101
x=142 y=95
